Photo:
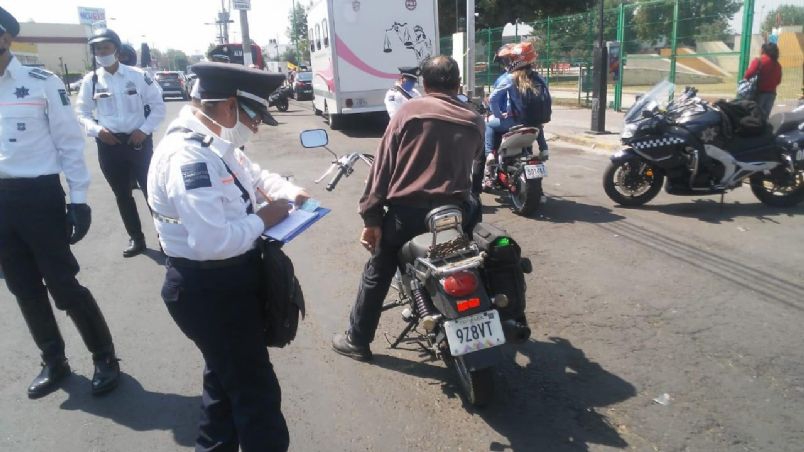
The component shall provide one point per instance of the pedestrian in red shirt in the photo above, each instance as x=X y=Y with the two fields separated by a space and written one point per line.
x=770 y=76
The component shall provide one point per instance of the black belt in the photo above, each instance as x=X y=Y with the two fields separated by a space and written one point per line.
x=207 y=265
x=26 y=183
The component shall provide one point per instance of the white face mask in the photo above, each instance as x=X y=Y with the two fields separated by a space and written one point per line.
x=106 y=61
x=238 y=135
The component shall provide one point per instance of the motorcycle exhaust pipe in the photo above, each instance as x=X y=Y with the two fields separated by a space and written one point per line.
x=515 y=332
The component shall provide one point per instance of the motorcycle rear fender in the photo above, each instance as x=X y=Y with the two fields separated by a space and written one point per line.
x=483 y=359
x=447 y=304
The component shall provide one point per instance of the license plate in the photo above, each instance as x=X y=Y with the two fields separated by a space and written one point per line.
x=473 y=333
x=535 y=171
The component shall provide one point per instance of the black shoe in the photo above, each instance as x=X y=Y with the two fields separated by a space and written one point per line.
x=342 y=344
x=48 y=379
x=135 y=247
x=106 y=377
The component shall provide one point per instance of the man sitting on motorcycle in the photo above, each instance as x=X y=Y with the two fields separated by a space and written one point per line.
x=505 y=101
x=430 y=155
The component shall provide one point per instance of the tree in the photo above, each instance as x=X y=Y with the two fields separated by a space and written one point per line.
x=176 y=60
x=297 y=32
x=496 y=13
x=653 y=23
x=786 y=15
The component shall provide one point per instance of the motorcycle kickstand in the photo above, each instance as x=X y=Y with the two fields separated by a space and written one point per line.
x=402 y=335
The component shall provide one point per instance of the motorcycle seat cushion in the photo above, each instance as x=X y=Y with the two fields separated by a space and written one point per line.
x=786 y=122
x=420 y=245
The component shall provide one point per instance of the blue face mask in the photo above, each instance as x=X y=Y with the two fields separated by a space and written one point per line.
x=408 y=84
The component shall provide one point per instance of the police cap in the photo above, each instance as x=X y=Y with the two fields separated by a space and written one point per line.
x=410 y=71
x=8 y=24
x=103 y=35
x=251 y=86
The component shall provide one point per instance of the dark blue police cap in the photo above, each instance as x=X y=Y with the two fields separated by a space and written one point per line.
x=409 y=71
x=8 y=24
x=251 y=86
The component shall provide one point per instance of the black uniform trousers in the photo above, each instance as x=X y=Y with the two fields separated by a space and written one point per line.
x=399 y=225
x=34 y=247
x=118 y=163
x=219 y=310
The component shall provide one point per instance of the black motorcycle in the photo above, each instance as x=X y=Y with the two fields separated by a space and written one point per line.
x=696 y=146
x=462 y=294
x=279 y=98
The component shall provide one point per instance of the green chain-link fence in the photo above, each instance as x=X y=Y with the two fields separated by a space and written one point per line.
x=684 y=41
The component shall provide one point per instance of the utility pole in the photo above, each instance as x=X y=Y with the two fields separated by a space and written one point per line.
x=470 y=48
x=294 y=36
x=244 y=6
x=600 y=87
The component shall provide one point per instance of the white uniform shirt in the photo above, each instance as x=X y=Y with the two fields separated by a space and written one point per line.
x=394 y=99
x=39 y=133
x=199 y=212
x=119 y=102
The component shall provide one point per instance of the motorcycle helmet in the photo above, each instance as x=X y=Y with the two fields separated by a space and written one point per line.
x=503 y=54
x=128 y=55
x=104 y=34
x=522 y=55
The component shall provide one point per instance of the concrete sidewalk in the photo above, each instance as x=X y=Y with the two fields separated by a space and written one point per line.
x=571 y=125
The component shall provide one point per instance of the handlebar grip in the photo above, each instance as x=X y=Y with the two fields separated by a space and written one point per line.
x=331 y=185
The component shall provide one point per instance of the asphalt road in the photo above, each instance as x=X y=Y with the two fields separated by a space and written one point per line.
x=683 y=297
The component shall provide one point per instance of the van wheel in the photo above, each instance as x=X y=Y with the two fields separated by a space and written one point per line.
x=316 y=111
x=335 y=121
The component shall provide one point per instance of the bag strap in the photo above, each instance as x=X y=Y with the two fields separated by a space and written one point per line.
x=403 y=92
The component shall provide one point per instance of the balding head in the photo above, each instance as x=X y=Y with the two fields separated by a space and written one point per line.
x=440 y=74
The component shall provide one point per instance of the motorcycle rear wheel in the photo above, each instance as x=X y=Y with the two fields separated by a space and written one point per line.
x=528 y=194
x=773 y=194
x=477 y=385
x=282 y=106
x=632 y=183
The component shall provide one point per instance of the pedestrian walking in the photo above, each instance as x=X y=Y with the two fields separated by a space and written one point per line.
x=121 y=107
x=203 y=190
x=770 y=76
x=40 y=138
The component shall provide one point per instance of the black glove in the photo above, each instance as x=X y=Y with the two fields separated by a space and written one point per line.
x=79 y=217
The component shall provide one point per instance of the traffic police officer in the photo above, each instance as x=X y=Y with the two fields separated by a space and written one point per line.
x=203 y=190
x=39 y=138
x=128 y=107
x=403 y=90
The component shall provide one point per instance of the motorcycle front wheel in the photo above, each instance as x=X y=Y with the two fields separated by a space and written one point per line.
x=282 y=106
x=632 y=183
x=526 y=195
x=477 y=385
x=772 y=192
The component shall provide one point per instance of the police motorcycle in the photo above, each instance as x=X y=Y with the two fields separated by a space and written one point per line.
x=462 y=296
x=689 y=142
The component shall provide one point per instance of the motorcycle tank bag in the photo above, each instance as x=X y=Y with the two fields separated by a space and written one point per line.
x=502 y=268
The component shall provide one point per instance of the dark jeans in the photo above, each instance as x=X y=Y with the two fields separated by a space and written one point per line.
x=118 y=163
x=219 y=310
x=36 y=258
x=765 y=102
x=400 y=224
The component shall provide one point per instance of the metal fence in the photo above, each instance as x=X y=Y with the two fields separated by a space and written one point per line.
x=677 y=40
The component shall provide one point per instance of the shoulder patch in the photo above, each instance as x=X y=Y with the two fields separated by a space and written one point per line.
x=148 y=80
x=195 y=175
x=41 y=74
x=64 y=99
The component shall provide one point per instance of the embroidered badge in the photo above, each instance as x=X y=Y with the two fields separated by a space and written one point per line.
x=64 y=99
x=21 y=126
x=21 y=92
x=195 y=175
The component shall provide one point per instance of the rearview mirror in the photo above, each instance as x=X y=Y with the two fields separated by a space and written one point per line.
x=314 y=138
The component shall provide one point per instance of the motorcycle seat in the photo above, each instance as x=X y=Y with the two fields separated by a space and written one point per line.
x=786 y=122
x=520 y=137
x=420 y=245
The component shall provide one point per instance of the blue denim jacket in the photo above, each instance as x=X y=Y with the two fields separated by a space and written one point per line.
x=506 y=95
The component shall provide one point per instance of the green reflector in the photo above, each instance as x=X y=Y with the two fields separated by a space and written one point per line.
x=503 y=241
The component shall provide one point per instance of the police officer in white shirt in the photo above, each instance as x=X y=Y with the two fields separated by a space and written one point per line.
x=40 y=138
x=204 y=193
x=403 y=90
x=112 y=105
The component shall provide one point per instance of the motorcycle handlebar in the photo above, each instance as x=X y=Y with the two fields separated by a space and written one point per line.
x=335 y=179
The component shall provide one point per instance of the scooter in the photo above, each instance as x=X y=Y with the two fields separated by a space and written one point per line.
x=516 y=171
x=279 y=98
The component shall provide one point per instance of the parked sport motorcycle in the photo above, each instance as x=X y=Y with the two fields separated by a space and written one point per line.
x=279 y=98
x=687 y=141
x=462 y=296
x=517 y=171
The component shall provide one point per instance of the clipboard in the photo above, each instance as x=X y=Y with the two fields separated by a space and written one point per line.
x=297 y=222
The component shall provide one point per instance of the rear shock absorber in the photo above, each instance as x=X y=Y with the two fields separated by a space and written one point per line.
x=424 y=306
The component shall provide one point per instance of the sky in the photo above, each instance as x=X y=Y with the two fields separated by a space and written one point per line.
x=180 y=24
x=177 y=24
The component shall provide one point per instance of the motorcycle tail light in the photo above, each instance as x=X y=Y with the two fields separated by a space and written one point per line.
x=460 y=284
x=466 y=305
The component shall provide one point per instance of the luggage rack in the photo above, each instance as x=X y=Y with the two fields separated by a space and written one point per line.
x=450 y=257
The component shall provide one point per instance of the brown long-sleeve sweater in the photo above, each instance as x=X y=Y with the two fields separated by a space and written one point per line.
x=428 y=155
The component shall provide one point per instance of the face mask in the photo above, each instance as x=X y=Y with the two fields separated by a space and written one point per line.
x=238 y=135
x=106 y=61
x=408 y=85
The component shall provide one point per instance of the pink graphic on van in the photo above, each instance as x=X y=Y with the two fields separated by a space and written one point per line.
x=349 y=56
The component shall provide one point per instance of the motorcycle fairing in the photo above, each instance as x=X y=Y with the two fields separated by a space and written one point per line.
x=735 y=170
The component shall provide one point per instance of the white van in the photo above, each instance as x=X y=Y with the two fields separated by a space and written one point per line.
x=358 y=46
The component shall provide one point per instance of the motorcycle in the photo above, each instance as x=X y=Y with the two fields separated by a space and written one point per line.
x=279 y=98
x=517 y=171
x=688 y=142
x=462 y=295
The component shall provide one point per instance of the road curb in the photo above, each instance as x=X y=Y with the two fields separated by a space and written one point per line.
x=588 y=142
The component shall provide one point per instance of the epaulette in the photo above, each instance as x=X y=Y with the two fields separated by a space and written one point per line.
x=205 y=140
x=41 y=74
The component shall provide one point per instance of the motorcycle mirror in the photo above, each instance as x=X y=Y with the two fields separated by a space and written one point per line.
x=314 y=138
x=463 y=98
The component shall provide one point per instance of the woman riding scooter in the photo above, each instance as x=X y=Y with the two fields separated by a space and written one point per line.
x=505 y=101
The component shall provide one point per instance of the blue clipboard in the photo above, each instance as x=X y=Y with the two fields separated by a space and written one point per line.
x=297 y=222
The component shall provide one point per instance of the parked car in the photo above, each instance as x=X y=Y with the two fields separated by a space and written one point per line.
x=173 y=84
x=303 y=86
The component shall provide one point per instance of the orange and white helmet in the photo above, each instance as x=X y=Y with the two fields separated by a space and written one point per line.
x=503 y=54
x=521 y=55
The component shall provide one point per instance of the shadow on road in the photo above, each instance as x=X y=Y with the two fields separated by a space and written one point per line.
x=711 y=211
x=560 y=210
x=132 y=406
x=155 y=255
x=550 y=402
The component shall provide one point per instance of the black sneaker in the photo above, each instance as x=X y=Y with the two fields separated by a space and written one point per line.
x=342 y=344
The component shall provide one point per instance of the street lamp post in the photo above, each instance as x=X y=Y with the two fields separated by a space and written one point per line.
x=601 y=78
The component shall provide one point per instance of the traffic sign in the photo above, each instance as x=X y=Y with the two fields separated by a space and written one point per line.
x=242 y=5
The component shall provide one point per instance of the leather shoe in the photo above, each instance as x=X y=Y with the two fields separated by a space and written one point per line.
x=48 y=379
x=343 y=344
x=135 y=247
x=106 y=376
